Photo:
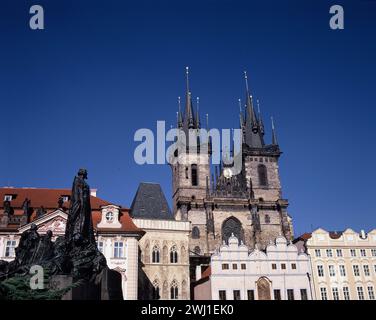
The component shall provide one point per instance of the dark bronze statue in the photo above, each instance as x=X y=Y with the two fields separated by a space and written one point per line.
x=8 y=210
x=41 y=212
x=75 y=255
x=80 y=224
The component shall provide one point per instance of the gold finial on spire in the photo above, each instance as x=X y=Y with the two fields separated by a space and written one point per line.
x=272 y=122
x=240 y=105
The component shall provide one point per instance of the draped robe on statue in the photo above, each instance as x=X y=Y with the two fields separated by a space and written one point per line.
x=80 y=225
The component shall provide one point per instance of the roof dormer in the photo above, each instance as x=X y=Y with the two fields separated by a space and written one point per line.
x=110 y=217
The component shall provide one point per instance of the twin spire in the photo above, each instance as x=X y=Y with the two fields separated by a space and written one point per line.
x=251 y=124
x=189 y=120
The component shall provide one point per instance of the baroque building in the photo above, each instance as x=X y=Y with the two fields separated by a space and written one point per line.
x=164 y=258
x=219 y=201
x=235 y=273
x=343 y=263
x=116 y=234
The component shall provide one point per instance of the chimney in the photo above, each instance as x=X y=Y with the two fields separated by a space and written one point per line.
x=93 y=192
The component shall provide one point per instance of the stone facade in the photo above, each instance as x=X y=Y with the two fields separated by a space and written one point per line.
x=235 y=273
x=164 y=260
x=219 y=201
x=343 y=263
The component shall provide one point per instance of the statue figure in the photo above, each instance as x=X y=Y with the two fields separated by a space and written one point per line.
x=60 y=202
x=27 y=247
x=8 y=210
x=80 y=225
x=40 y=212
x=45 y=249
x=26 y=209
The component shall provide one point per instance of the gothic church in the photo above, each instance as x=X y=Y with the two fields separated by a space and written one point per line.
x=218 y=204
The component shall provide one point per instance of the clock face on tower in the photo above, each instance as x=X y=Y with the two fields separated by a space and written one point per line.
x=227 y=172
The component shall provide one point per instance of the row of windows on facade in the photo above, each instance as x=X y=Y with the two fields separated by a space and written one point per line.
x=290 y=294
x=156 y=255
x=174 y=290
x=346 y=293
x=261 y=171
x=118 y=251
x=339 y=253
x=342 y=270
x=243 y=266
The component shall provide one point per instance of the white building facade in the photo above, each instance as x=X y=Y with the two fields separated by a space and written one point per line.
x=343 y=263
x=279 y=273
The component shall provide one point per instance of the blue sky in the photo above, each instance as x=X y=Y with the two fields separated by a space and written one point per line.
x=73 y=94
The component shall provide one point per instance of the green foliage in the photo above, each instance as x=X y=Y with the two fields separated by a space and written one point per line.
x=18 y=288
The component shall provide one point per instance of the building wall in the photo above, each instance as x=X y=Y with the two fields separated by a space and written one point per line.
x=164 y=235
x=349 y=240
x=258 y=269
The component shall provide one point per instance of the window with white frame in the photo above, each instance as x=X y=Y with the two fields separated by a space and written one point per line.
x=363 y=252
x=360 y=293
x=335 y=293
x=318 y=252
x=371 y=293
x=118 y=249
x=324 y=294
x=366 y=270
x=342 y=270
x=346 y=293
x=10 y=248
x=356 y=270
x=339 y=253
x=332 y=272
x=8 y=197
x=320 y=271
x=329 y=253
x=353 y=252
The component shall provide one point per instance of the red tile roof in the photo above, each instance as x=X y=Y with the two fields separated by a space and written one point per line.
x=47 y=198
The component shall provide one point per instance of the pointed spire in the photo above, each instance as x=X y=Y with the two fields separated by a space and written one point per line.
x=188 y=116
x=251 y=116
x=274 y=134
x=180 y=117
x=261 y=124
x=198 y=124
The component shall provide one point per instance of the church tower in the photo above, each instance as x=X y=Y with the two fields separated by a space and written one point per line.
x=248 y=204
x=191 y=170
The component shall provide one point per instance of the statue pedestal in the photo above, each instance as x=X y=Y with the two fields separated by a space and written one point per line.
x=109 y=287
x=86 y=291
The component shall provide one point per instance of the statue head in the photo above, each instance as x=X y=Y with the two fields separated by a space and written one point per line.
x=82 y=173
x=33 y=227
x=49 y=234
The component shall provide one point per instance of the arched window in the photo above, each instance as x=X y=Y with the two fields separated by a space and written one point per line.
x=173 y=255
x=197 y=250
x=267 y=218
x=174 y=290
x=262 y=175
x=155 y=292
x=195 y=233
x=155 y=254
x=194 y=175
x=232 y=226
